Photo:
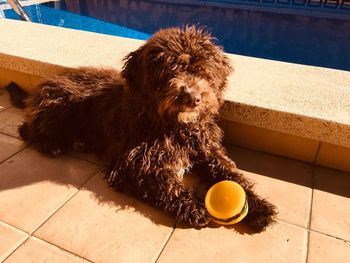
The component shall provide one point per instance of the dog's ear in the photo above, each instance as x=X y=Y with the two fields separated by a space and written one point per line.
x=220 y=62
x=139 y=64
x=133 y=68
x=220 y=69
x=225 y=69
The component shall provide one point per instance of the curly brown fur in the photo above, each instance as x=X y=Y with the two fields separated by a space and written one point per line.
x=150 y=123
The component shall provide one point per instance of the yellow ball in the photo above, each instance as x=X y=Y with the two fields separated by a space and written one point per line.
x=226 y=202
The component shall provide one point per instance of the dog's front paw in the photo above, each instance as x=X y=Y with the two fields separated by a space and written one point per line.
x=261 y=214
x=80 y=146
x=193 y=213
x=197 y=216
x=51 y=149
x=200 y=217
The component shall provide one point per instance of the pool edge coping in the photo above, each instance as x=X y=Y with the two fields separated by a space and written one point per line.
x=241 y=111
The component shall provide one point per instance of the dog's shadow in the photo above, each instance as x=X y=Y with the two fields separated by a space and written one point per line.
x=73 y=170
x=124 y=201
x=25 y=169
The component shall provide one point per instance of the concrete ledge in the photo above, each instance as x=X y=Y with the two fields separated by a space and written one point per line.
x=304 y=101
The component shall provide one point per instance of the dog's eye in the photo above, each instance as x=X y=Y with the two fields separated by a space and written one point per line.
x=182 y=88
x=179 y=97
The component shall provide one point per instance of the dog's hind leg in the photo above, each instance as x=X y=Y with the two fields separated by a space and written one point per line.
x=49 y=142
x=52 y=121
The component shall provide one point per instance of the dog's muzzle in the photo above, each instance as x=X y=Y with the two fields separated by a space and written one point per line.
x=187 y=116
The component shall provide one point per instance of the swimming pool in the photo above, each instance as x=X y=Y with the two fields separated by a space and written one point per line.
x=297 y=38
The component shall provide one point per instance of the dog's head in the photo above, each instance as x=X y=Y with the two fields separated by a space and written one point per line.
x=180 y=72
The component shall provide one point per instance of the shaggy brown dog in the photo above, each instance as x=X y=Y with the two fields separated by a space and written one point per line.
x=151 y=123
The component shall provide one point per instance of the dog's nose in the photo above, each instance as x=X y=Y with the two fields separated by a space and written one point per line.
x=197 y=99
x=192 y=99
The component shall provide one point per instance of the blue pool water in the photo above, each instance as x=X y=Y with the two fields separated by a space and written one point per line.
x=293 y=38
x=50 y=16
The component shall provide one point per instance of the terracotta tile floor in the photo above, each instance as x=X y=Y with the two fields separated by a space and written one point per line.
x=61 y=210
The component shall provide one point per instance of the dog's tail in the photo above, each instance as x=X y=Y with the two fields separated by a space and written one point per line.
x=17 y=95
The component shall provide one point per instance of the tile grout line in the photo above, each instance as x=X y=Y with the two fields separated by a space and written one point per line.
x=22 y=120
x=311 y=230
x=311 y=200
x=27 y=236
x=1 y=110
x=1 y=162
x=328 y=235
x=290 y=223
x=166 y=243
x=317 y=153
x=11 y=107
x=65 y=202
x=61 y=248
x=4 y=133
x=13 y=227
x=31 y=235
x=45 y=241
x=89 y=161
x=69 y=154
x=13 y=251
x=4 y=110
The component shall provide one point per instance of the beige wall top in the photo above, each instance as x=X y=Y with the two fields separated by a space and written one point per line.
x=307 y=101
